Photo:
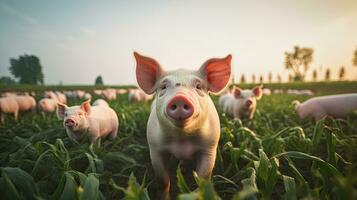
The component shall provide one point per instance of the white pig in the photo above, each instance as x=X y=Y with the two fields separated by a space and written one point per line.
x=241 y=104
x=47 y=105
x=61 y=97
x=110 y=94
x=8 y=105
x=183 y=121
x=100 y=102
x=26 y=103
x=87 y=96
x=337 y=106
x=89 y=121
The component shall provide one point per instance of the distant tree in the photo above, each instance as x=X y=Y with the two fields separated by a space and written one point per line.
x=342 y=73
x=327 y=74
x=354 y=61
x=27 y=68
x=242 y=79
x=290 y=78
x=7 y=80
x=279 y=78
x=253 y=78
x=261 y=79
x=99 y=80
x=298 y=62
x=270 y=77
x=314 y=75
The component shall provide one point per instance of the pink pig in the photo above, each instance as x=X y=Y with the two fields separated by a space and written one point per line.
x=47 y=105
x=240 y=103
x=89 y=121
x=26 y=103
x=337 y=106
x=183 y=121
x=8 y=105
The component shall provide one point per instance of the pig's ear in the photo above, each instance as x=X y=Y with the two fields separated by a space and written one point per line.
x=258 y=92
x=61 y=109
x=236 y=92
x=217 y=72
x=86 y=106
x=148 y=70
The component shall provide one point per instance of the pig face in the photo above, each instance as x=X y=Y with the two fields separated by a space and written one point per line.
x=181 y=96
x=248 y=98
x=74 y=118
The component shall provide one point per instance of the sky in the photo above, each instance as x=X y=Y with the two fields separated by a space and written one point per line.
x=78 y=40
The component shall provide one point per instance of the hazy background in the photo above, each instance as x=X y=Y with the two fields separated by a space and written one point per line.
x=78 y=40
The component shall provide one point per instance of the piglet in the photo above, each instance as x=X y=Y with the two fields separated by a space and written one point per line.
x=183 y=121
x=26 y=103
x=337 y=106
x=89 y=121
x=47 y=105
x=8 y=105
x=241 y=104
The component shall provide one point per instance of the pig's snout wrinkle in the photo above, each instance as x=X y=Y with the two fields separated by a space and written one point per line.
x=179 y=108
x=70 y=122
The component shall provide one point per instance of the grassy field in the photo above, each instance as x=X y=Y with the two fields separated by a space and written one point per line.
x=279 y=157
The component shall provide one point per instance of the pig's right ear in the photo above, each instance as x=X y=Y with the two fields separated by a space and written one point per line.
x=148 y=70
x=236 y=92
x=217 y=72
x=61 y=109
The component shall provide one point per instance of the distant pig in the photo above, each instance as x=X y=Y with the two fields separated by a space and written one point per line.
x=26 y=103
x=47 y=105
x=183 y=121
x=241 y=104
x=8 y=105
x=100 y=102
x=337 y=106
x=89 y=121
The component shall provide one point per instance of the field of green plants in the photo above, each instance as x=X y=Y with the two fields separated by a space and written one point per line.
x=278 y=157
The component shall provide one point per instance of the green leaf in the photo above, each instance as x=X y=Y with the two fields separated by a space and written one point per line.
x=181 y=182
x=91 y=188
x=290 y=188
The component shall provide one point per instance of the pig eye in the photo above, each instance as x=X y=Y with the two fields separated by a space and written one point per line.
x=199 y=86
x=163 y=87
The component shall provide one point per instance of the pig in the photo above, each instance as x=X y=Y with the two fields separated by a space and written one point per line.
x=121 y=91
x=47 y=105
x=266 y=91
x=110 y=94
x=79 y=94
x=98 y=92
x=100 y=102
x=8 y=105
x=337 y=106
x=89 y=121
x=136 y=95
x=26 y=103
x=183 y=121
x=61 y=97
x=278 y=91
x=87 y=96
x=241 y=104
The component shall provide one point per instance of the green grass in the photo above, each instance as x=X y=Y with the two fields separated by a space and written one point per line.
x=278 y=157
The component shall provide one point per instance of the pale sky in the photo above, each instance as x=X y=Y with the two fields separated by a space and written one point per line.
x=78 y=40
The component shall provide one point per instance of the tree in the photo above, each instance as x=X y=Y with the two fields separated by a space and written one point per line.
x=242 y=79
x=279 y=78
x=327 y=74
x=341 y=74
x=99 y=80
x=270 y=77
x=261 y=79
x=27 y=68
x=253 y=78
x=314 y=75
x=290 y=78
x=7 y=80
x=354 y=61
x=298 y=62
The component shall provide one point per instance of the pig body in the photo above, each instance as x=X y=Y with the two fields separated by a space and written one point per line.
x=100 y=102
x=337 y=106
x=61 y=97
x=183 y=121
x=110 y=94
x=136 y=95
x=8 y=105
x=26 y=103
x=47 y=105
x=240 y=104
x=93 y=122
x=87 y=96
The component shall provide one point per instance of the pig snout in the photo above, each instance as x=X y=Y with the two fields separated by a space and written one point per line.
x=249 y=103
x=179 y=108
x=70 y=123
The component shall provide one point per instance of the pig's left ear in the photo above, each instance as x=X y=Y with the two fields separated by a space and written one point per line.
x=86 y=106
x=258 y=92
x=148 y=71
x=217 y=72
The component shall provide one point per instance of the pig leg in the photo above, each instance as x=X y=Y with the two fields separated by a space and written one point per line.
x=2 y=118
x=114 y=133
x=160 y=168
x=319 y=115
x=16 y=115
x=205 y=163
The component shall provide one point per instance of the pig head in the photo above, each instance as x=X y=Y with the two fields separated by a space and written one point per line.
x=183 y=121
x=246 y=101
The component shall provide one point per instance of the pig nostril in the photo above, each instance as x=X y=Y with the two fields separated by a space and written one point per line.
x=186 y=107
x=173 y=107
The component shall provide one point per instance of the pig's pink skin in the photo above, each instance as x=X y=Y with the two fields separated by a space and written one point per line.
x=8 y=105
x=194 y=138
x=47 y=105
x=61 y=97
x=136 y=95
x=100 y=102
x=234 y=104
x=26 y=103
x=337 y=106
x=91 y=121
x=110 y=94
